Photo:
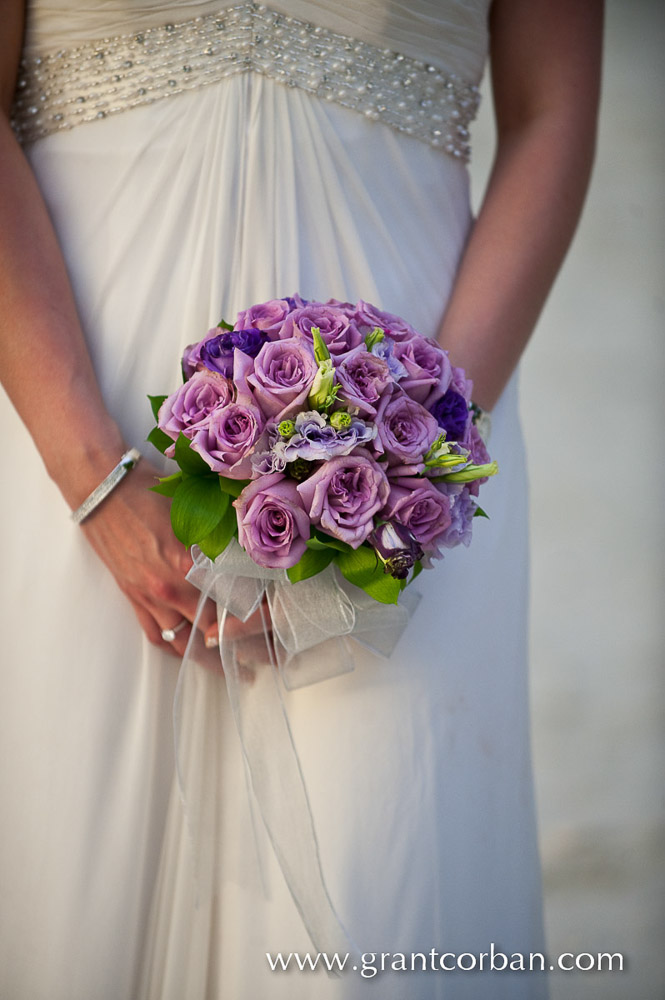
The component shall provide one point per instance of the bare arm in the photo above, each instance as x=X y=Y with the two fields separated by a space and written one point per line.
x=545 y=58
x=76 y=436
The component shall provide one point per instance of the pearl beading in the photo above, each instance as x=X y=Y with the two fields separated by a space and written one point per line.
x=63 y=89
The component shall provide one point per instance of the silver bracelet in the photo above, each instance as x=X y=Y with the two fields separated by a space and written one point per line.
x=127 y=462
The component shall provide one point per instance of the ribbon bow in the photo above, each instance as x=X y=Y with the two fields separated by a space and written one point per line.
x=309 y=629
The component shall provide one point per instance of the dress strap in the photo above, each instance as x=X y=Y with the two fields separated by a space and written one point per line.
x=62 y=89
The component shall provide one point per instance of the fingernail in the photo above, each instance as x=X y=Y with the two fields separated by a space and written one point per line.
x=211 y=641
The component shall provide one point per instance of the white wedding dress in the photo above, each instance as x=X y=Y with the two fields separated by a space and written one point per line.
x=303 y=153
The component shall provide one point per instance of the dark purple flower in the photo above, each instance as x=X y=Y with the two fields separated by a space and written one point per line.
x=249 y=341
x=216 y=354
x=396 y=547
x=452 y=414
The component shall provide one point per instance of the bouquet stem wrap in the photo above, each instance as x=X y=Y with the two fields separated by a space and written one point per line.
x=309 y=631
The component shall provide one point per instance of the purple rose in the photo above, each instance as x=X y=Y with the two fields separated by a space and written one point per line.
x=191 y=405
x=363 y=379
x=368 y=316
x=338 y=331
x=452 y=414
x=419 y=506
x=343 y=496
x=284 y=371
x=462 y=511
x=428 y=370
x=226 y=441
x=272 y=524
x=191 y=358
x=267 y=316
x=406 y=430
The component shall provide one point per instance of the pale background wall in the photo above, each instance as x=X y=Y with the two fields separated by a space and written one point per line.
x=592 y=403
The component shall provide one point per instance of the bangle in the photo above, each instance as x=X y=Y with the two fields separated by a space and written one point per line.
x=127 y=462
x=483 y=421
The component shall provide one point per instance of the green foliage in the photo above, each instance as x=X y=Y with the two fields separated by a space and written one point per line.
x=188 y=460
x=223 y=325
x=233 y=487
x=198 y=507
x=319 y=540
x=215 y=543
x=155 y=403
x=479 y=512
x=159 y=439
x=313 y=561
x=362 y=568
x=167 y=486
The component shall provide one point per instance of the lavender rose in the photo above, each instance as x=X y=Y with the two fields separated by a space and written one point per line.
x=343 y=496
x=272 y=524
x=191 y=358
x=405 y=429
x=452 y=414
x=268 y=316
x=428 y=370
x=419 y=506
x=368 y=316
x=363 y=378
x=284 y=371
x=191 y=405
x=338 y=331
x=227 y=439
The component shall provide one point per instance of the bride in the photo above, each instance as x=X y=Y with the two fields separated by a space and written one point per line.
x=315 y=147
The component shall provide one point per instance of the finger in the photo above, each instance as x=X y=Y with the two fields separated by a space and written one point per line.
x=153 y=631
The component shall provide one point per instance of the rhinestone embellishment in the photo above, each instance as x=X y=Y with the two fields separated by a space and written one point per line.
x=63 y=89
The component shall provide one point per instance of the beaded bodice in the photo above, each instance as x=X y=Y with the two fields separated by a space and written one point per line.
x=104 y=75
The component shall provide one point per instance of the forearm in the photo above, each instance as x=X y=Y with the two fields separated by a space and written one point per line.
x=546 y=61
x=46 y=368
x=523 y=230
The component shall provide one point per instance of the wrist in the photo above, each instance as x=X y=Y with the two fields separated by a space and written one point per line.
x=78 y=468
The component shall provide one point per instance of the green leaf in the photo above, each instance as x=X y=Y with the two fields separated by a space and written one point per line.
x=233 y=487
x=223 y=325
x=155 y=403
x=313 y=561
x=329 y=541
x=215 y=543
x=159 y=439
x=417 y=570
x=479 y=512
x=198 y=507
x=188 y=460
x=363 y=568
x=167 y=487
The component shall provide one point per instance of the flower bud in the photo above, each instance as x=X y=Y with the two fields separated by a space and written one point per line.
x=340 y=419
x=396 y=547
x=375 y=337
x=286 y=429
x=323 y=392
x=299 y=469
x=471 y=473
x=321 y=352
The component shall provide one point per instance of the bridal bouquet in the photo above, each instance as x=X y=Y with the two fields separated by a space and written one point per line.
x=321 y=433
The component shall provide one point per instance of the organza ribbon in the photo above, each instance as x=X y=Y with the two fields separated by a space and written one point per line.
x=309 y=631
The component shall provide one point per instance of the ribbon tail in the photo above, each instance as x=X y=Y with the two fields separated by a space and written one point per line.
x=277 y=781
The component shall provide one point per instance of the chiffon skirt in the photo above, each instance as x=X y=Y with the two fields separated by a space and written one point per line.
x=417 y=767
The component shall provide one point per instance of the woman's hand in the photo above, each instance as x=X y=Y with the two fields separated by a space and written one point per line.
x=131 y=533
